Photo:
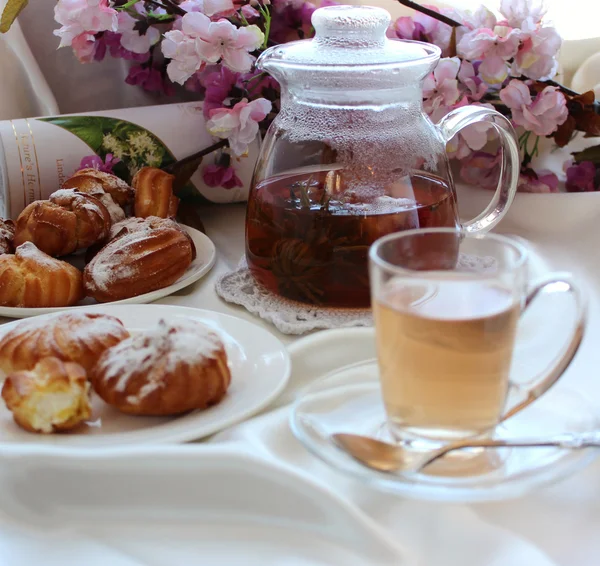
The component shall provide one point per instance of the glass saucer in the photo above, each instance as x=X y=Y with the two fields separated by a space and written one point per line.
x=349 y=400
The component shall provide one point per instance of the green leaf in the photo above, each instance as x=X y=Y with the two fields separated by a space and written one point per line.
x=161 y=17
x=12 y=9
x=590 y=154
x=127 y=5
x=86 y=128
x=122 y=129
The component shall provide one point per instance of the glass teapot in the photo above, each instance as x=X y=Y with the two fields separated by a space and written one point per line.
x=352 y=156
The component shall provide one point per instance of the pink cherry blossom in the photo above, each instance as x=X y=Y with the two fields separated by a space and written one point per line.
x=258 y=84
x=542 y=181
x=581 y=177
x=543 y=115
x=208 y=7
x=250 y=13
x=436 y=31
x=181 y=50
x=83 y=16
x=219 y=176
x=238 y=124
x=202 y=41
x=440 y=89
x=480 y=18
x=472 y=138
x=469 y=77
x=406 y=28
x=217 y=82
x=495 y=46
x=84 y=46
x=112 y=41
x=222 y=41
x=418 y=27
x=523 y=14
x=537 y=56
x=150 y=79
x=131 y=38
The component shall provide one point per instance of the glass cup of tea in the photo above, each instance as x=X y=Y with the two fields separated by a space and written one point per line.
x=447 y=306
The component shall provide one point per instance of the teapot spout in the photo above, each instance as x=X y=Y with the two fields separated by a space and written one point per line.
x=268 y=63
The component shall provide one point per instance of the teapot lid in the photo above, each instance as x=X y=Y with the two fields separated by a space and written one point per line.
x=349 y=36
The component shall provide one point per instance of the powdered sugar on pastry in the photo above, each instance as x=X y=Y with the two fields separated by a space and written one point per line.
x=105 y=269
x=116 y=212
x=29 y=250
x=140 y=258
x=75 y=336
x=63 y=193
x=184 y=341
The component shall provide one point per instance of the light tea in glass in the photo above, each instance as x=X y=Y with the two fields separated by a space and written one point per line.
x=445 y=351
x=447 y=307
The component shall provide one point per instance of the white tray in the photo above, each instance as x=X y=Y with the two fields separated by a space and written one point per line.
x=175 y=506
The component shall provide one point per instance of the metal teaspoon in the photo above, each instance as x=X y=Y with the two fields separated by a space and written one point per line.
x=386 y=457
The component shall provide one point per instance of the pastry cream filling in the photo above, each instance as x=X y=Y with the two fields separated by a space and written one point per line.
x=46 y=409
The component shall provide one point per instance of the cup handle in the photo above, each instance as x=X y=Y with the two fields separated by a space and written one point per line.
x=452 y=124
x=553 y=284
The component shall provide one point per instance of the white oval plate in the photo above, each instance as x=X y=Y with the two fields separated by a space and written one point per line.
x=260 y=368
x=206 y=256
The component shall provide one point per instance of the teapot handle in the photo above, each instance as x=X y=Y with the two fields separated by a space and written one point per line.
x=452 y=124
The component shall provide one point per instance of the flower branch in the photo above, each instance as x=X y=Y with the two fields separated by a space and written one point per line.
x=431 y=13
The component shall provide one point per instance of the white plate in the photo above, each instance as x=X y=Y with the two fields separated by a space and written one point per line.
x=179 y=505
x=205 y=259
x=260 y=368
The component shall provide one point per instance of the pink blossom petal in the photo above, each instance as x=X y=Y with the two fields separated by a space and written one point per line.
x=212 y=7
x=249 y=38
x=196 y=24
x=210 y=52
x=238 y=60
x=447 y=69
x=238 y=124
x=494 y=70
x=222 y=30
x=581 y=177
x=481 y=169
x=515 y=94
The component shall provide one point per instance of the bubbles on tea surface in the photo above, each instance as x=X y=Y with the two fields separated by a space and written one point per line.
x=379 y=205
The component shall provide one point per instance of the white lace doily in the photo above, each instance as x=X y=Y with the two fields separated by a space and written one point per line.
x=290 y=317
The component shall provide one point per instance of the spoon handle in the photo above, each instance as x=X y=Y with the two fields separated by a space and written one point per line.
x=566 y=441
x=570 y=441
